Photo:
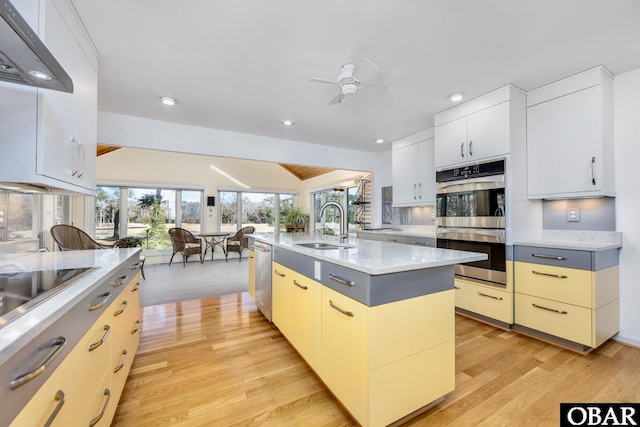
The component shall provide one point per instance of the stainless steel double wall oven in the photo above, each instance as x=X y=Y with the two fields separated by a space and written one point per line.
x=470 y=216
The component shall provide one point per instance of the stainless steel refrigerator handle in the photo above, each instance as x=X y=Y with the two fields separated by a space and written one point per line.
x=59 y=343
x=550 y=309
x=558 y=276
x=345 y=312
x=559 y=258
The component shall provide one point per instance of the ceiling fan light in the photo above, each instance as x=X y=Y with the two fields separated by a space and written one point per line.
x=349 y=89
x=456 y=97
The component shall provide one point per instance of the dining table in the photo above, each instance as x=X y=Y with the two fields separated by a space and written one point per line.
x=212 y=240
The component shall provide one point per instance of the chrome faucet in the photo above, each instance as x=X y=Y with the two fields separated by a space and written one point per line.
x=343 y=219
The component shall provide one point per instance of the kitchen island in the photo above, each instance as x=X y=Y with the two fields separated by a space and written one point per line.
x=374 y=320
x=66 y=353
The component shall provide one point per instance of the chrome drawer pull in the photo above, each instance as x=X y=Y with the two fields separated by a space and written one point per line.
x=135 y=266
x=98 y=417
x=343 y=281
x=490 y=296
x=278 y=273
x=559 y=258
x=125 y=304
x=135 y=329
x=119 y=281
x=550 y=309
x=59 y=343
x=59 y=397
x=105 y=296
x=107 y=330
x=456 y=287
x=557 y=276
x=299 y=285
x=121 y=365
x=345 y=312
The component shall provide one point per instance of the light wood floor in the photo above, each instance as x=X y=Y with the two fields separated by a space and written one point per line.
x=218 y=362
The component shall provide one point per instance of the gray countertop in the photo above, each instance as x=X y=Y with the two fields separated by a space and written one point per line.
x=37 y=319
x=369 y=256
x=410 y=231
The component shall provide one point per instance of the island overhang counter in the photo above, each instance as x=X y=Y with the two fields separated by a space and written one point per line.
x=374 y=320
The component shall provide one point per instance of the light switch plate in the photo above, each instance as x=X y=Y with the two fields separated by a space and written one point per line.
x=573 y=214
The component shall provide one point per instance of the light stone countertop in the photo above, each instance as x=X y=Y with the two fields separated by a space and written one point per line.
x=22 y=329
x=371 y=256
x=593 y=241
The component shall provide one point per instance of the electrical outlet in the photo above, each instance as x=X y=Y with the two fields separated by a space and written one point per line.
x=573 y=214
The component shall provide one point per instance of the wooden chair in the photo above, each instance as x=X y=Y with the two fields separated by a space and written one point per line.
x=70 y=238
x=238 y=242
x=185 y=243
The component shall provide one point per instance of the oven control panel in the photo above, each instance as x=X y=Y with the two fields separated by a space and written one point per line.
x=471 y=171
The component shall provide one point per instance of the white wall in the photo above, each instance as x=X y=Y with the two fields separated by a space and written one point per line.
x=627 y=147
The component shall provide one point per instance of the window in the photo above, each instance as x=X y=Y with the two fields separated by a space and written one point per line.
x=16 y=216
x=146 y=212
x=260 y=210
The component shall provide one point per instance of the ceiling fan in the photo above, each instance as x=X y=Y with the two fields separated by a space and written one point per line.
x=352 y=79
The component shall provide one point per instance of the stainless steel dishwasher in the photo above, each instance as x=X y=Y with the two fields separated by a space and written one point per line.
x=263 y=254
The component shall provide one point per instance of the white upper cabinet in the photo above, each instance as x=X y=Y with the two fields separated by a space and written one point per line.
x=476 y=130
x=570 y=137
x=53 y=134
x=413 y=170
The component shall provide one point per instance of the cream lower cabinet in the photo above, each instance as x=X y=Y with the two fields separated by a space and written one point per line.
x=297 y=312
x=386 y=361
x=570 y=295
x=491 y=302
x=84 y=390
x=252 y=274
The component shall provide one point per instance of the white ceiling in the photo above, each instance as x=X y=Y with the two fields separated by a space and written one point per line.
x=244 y=65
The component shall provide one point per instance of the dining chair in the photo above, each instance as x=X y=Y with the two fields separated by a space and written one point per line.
x=70 y=238
x=238 y=242
x=185 y=243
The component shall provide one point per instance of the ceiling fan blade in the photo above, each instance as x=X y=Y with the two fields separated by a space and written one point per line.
x=372 y=90
x=336 y=99
x=365 y=70
x=332 y=82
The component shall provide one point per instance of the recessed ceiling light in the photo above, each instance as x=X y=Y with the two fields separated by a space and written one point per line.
x=287 y=123
x=456 y=97
x=379 y=140
x=167 y=100
x=40 y=75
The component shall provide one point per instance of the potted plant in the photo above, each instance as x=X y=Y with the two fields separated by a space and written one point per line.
x=295 y=220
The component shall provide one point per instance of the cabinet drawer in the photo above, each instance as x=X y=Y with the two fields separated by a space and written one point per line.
x=487 y=301
x=562 y=320
x=555 y=257
x=352 y=283
x=562 y=284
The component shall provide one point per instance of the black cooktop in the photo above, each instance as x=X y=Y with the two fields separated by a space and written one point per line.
x=21 y=291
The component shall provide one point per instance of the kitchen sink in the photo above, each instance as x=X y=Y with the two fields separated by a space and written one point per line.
x=322 y=246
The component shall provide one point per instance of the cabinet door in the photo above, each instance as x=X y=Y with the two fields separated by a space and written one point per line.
x=426 y=172
x=564 y=143
x=405 y=175
x=294 y=311
x=451 y=142
x=343 y=357
x=488 y=132
x=252 y=274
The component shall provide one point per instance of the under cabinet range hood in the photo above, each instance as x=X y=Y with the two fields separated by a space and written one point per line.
x=24 y=59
